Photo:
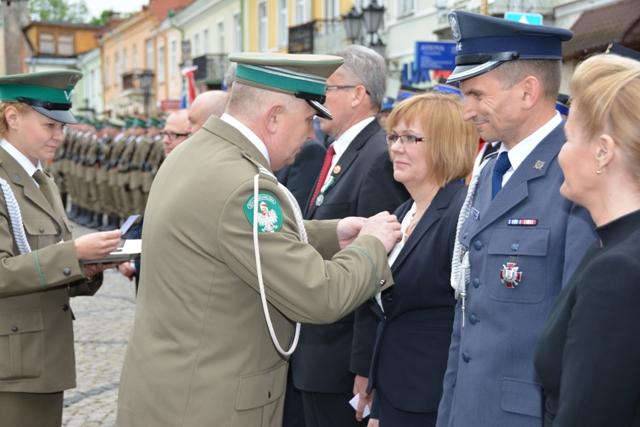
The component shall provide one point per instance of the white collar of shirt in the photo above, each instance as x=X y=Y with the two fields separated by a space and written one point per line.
x=26 y=164
x=248 y=133
x=341 y=144
x=522 y=149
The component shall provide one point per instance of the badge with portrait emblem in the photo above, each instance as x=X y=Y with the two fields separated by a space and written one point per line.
x=510 y=275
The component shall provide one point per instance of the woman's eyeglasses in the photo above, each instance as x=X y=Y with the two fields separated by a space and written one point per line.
x=403 y=139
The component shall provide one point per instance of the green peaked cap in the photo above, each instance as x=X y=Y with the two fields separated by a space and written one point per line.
x=301 y=75
x=47 y=92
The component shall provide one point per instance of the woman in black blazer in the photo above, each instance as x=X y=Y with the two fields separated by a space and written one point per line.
x=432 y=150
x=588 y=356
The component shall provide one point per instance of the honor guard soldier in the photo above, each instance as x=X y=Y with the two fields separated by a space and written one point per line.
x=40 y=267
x=518 y=239
x=225 y=248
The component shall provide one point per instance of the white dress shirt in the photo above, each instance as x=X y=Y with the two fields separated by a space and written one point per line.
x=341 y=144
x=521 y=150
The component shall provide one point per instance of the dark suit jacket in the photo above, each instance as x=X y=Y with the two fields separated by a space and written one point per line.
x=300 y=177
x=588 y=354
x=414 y=332
x=329 y=355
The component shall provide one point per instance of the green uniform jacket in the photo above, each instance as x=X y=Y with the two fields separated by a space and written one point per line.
x=200 y=352
x=36 y=334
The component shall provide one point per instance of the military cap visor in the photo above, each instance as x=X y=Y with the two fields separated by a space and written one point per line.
x=485 y=42
x=303 y=76
x=48 y=93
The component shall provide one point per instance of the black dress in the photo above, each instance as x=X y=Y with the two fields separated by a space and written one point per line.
x=588 y=356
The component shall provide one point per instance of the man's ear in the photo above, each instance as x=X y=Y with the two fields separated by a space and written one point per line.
x=359 y=95
x=531 y=91
x=273 y=118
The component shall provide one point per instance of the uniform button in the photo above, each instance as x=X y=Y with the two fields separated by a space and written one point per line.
x=466 y=358
x=515 y=246
x=65 y=307
x=473 y=319
x=476 y=283
x=14 y=328
x=382 y=282
x=41 y=230
x=66 y=271
x=477 y=244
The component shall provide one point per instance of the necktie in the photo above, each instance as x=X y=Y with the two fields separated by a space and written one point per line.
x=328 y=157
x=502 y=165
x=46 y=188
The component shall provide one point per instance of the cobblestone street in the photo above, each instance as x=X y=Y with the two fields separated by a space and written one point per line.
x=102 y=327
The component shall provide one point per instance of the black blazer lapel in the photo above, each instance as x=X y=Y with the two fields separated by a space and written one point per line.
x=439 y=205
x=533 y=167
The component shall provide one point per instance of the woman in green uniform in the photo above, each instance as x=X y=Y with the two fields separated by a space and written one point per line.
x=40 y=267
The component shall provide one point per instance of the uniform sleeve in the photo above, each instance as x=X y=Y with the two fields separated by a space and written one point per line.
x=600 y=381
x=49 y=267
x=298 y=281
x=451 y=374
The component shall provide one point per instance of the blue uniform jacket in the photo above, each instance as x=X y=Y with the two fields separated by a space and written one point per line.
x=490 y=378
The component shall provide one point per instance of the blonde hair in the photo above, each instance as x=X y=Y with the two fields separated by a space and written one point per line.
x=4 y=126
x=606 y=89
x=450 y=142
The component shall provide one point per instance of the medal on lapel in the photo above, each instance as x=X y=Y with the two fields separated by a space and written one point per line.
x=324 y=189
x=510 y=274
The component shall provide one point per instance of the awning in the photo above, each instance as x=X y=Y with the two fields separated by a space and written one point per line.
x=596 y=28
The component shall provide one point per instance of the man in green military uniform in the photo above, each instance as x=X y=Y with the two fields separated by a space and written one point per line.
x=201 y=353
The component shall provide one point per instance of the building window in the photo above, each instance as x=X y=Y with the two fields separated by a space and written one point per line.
x=196 y=45
x=149 y=60
x=134 y=57
x=302 y=11
x=406 y=7
x=173 y=63
x=332 y=9
x=262 y=26
x=65 y=44
x=283 y=23
x=160 y=67
x=205 y=42
x=47 y=44
x=221 y=46
x=124 y=61
x=237 y=31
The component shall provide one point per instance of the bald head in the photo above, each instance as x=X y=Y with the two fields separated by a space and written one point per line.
x=176 y=130
x=207 y=104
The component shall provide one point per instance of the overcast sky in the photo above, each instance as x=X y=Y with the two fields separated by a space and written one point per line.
x=97 y=6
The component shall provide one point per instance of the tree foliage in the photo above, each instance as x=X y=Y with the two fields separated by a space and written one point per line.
x=59 y=10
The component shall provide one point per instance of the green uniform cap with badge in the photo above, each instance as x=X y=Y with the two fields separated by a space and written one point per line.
x=303 y=76
x=48 y=92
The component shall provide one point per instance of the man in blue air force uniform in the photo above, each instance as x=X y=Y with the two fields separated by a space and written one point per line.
x=518 y=239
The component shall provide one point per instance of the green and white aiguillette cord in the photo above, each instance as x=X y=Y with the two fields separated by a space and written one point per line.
x=15 y=217
x=303 y=238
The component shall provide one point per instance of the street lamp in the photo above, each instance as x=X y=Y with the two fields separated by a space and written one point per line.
x=371 y=17
x=146 y=79
x=353 y=24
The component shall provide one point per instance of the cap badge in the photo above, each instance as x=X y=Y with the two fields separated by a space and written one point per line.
x=455 y=28
x=538 y=165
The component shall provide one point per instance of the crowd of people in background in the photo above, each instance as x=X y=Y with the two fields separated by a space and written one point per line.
x=317 y=255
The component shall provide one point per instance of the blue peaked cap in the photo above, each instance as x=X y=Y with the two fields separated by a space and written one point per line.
x=484 y=42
